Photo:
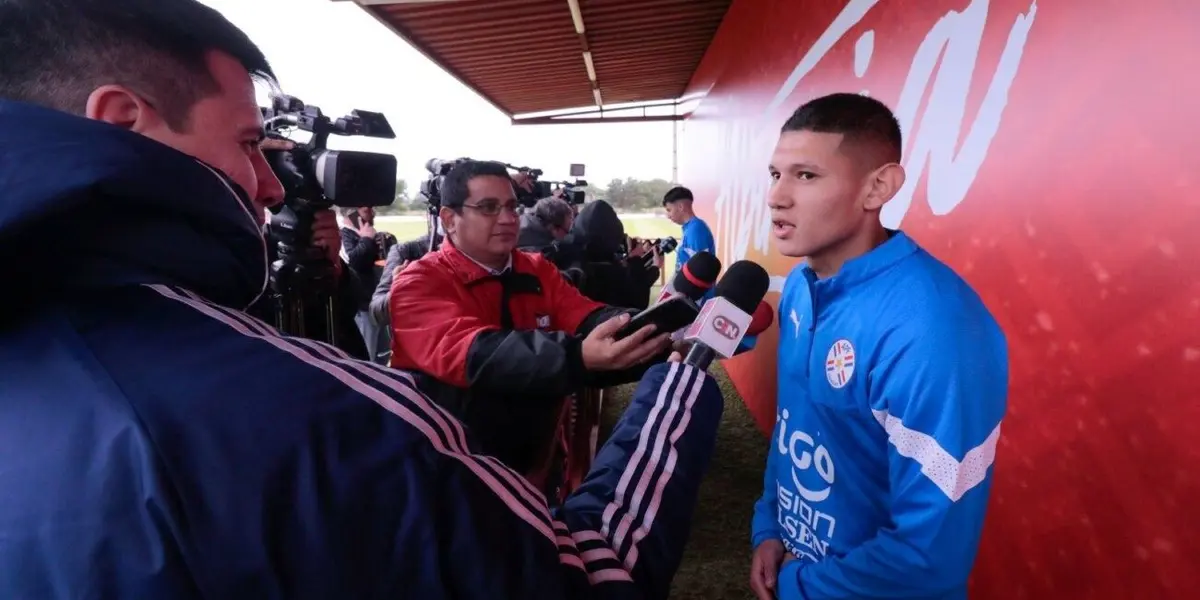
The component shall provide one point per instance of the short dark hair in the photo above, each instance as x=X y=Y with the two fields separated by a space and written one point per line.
x=553 y=212
x=677 y=193
x=56 y=52
x=454 y=189
x=860 y=119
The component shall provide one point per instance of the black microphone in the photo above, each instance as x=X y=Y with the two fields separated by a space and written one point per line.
x=723 y=322
x=695 y=278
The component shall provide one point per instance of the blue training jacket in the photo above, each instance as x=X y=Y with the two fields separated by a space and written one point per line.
x=156 y=442
x=893 y=380
x=696 y=238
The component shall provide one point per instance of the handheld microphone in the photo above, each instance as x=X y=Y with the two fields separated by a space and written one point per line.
x=725 y=319
x=694 y=279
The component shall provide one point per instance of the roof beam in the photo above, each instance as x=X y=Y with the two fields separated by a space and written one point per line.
x=599 y=115
x=581 y=31
x=645 y=49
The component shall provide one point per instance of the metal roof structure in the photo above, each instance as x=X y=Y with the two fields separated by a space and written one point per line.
x=540 y=56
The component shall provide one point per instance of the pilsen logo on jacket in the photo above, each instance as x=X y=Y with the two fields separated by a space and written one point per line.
x=543 y=321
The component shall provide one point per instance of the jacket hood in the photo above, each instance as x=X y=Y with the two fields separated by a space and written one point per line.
x=600 y=226
x=88 y=205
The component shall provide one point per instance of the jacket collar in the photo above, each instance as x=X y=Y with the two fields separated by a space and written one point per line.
x=863 y=268
x=468 y=270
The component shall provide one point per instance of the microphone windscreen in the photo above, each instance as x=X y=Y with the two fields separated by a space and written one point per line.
x=761 y=320
x=744 y=285
x=697 y=275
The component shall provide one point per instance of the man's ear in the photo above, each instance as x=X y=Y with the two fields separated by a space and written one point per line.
x=446 y=215
x=122 y=107
x=882 y=185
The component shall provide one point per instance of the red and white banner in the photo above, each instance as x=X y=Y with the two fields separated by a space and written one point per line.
x=1053 y=155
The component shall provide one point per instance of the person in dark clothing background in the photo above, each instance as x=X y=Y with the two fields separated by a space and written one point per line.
x=398 y=257
x=615 y=273
x=363 y=246
x=347 y=336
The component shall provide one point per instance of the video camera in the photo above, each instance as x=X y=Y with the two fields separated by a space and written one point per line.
x=316 y=178
x=665 y=245
x=571 y=191
x=431 y=188
x=314 y=175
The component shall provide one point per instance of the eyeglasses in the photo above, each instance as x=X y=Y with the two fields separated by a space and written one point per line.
x=492 y=209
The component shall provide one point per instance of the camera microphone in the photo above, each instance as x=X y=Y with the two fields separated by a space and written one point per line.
x=725 y=319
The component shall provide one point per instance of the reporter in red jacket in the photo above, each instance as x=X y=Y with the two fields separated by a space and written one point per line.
x=498 y=335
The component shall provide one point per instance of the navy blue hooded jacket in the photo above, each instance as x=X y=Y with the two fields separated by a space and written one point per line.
x=156 y=442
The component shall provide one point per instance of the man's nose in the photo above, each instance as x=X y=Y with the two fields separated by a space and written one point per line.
x=270 y=190
x=507 y=216
x=776 y=199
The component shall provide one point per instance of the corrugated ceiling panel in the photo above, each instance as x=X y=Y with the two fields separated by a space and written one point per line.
x=524 y=55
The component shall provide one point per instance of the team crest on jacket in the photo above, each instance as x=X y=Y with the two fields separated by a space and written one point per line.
x=839 y=363
x=543 y=321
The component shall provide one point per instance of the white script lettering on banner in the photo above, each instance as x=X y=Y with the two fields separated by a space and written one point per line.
x=935 y=147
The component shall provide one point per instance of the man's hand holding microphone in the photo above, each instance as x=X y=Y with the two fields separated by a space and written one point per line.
x=603 y=351
x=715 y=331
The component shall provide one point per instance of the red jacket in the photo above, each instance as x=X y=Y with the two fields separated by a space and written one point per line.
x=507 y=384
x=437 y=313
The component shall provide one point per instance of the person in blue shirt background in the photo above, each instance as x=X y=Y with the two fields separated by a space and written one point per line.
x=696 y=234
x=893 y=380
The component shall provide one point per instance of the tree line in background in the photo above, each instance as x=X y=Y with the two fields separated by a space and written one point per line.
x=628 y=195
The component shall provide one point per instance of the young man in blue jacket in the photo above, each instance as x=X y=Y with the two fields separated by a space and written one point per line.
x=697 y=237
x=158 y=442
x=892 y=381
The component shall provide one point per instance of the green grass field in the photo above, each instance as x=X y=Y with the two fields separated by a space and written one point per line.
x=640 y=226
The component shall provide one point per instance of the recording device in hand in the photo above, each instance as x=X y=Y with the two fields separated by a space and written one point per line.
x=677 y=308
x=665 y=245
x=316 y=178
x=724 y=320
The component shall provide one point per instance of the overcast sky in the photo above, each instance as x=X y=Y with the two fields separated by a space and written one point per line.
x=334 y=55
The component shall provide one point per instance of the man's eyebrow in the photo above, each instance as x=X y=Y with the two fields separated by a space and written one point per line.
x=800 y=166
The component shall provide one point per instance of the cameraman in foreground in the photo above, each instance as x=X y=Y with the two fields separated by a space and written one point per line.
x=499 y=337
x=157 y=442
